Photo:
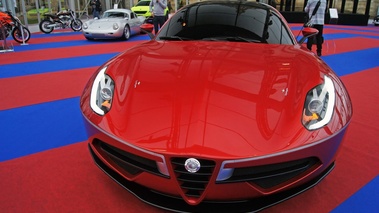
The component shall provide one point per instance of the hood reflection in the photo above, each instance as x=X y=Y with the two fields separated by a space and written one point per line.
x=212 y=96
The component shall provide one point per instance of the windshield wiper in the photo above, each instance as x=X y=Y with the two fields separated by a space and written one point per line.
x=173 y=38
x=239 y=38
x=232 y=38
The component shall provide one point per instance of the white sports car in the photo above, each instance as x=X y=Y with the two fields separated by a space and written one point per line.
x=114 y=24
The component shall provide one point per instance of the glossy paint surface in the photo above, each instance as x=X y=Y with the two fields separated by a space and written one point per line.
x=234 y=104
x=233 y=100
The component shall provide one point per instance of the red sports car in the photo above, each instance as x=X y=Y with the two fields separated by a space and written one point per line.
x=222 y=111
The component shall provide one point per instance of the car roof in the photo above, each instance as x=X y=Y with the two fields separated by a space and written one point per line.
x=229 y=2
x=221 y=18
x=119 y=10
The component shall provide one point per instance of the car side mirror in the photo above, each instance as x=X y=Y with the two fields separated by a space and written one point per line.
x=307 y=32
x=148 y=28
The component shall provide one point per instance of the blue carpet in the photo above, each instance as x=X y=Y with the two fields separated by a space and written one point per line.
x=52 y=45
x=29 y=68
x=56 y=34
x=36 y=128
x=366 y=200
x=346 y=63
x=40 y=127
x=73 y=43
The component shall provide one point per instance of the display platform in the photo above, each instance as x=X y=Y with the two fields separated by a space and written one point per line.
x=45 y=165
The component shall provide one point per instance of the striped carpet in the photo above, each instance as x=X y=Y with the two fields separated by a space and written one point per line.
x=45 y=165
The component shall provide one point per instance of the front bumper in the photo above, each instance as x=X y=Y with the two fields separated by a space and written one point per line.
x=145 y=13
x=255 y=184
x=177 y=204
x=103 y=34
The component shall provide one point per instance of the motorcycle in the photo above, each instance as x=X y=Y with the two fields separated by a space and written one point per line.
x=10 y=24
x=62 y=19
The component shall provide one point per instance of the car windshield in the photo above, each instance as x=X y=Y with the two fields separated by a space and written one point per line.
x=114 y=15
x=238 y=21
x=143 y=3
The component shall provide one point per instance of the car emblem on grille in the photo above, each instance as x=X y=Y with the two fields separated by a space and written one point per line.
x=192 y=165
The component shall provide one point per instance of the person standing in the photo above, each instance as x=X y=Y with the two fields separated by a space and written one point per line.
x=97 y=9
x=93 y=6
x=317 y=21
x=157 y=9
x=15 y=7
x=272 y=3
x=169 y=7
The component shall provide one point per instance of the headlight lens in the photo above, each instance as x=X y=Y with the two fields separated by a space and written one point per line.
x=115 y=26
x=85 y=26
x=102 y=93
x=319 y=105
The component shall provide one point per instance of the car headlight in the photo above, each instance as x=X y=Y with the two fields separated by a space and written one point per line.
x=102 y=93
x=85 y=26
x=115 y=26
x=319 y=105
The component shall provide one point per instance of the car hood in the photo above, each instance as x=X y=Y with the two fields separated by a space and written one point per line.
x=103 y=23
x=140 y=8
x=229 y=100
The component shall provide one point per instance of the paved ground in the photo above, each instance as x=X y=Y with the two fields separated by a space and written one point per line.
x=34 y=28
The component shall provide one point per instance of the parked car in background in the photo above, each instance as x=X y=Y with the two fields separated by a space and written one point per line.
x=114 y=24
x=32 y=14
x=222 y=111
x=142 y=9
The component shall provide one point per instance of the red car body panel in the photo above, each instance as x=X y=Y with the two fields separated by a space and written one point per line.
x=228 y=105
x=236 y=106
x=243 y=103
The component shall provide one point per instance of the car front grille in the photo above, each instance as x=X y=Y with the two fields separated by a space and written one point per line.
x=132 y=164
x=193 y=184
x=140 y=12
x=271 y=175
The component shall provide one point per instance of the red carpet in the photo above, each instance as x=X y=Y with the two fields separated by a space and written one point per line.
x=64 y=52
x=42 y=40
x=356 y=43
x=65 y=179
x=62 y=180
x=45 y=87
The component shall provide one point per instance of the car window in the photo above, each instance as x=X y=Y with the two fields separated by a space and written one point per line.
x=143 y=3
x=277 y=32
x=210 y=21
x=114 y=15
x=248 y=23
